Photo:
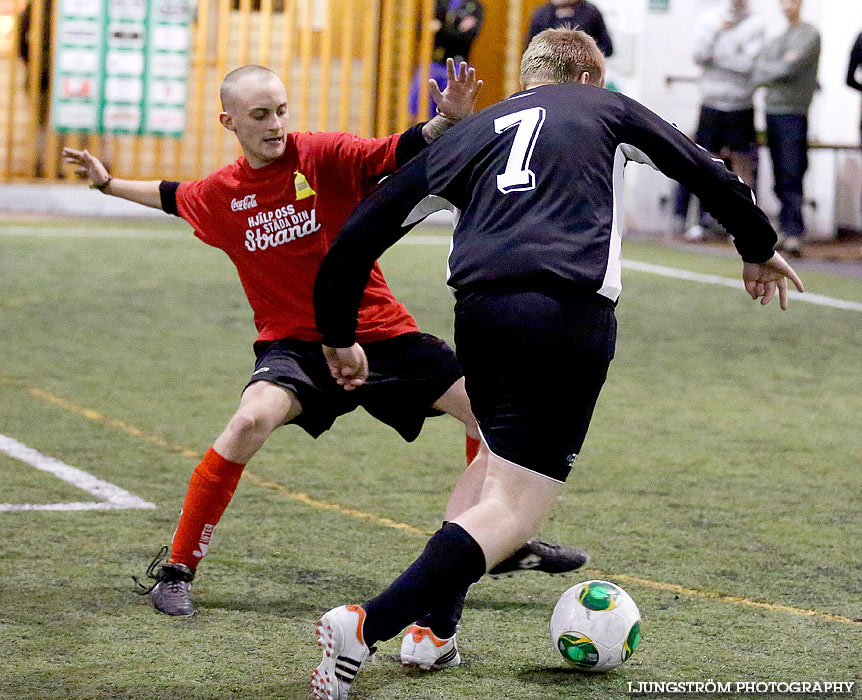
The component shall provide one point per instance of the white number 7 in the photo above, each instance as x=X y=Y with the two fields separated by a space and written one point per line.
x=518 y=177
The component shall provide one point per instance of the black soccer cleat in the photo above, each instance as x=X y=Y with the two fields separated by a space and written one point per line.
x=542 y=556
x=171 y=592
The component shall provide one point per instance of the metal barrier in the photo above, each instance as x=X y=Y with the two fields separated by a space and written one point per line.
x=346 y=65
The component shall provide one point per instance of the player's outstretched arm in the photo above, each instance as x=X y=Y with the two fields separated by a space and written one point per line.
x=348 y=366
x=762 y=280
x=454 y=103
x=144 y=192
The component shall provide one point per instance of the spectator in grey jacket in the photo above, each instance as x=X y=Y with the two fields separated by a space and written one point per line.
x=728 y=44
x=787 y=66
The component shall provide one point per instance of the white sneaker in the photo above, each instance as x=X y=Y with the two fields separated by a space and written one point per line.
x=340 y=636
x=421 y=647
x=695 y=233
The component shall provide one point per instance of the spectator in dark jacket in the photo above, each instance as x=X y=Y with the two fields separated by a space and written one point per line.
x=855 y=66
x=574 y=13
x=853 y=70
x=38 y=58
x=456 y=25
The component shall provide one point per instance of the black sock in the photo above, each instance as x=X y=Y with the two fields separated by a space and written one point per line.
x=443 y=620
x=451 y=563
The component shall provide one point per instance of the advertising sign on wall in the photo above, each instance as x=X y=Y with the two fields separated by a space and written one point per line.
x=121 y=66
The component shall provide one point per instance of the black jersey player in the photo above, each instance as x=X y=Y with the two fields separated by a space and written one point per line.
x=535 y=266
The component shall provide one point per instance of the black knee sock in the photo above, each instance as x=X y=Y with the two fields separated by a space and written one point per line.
x=443 y=620
x=451 y=563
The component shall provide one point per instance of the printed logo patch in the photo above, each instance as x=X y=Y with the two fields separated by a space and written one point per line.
x=303 y=189
x=247 y=202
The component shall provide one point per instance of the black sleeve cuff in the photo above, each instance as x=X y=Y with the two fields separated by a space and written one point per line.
x=168 y=193
x=411 y=143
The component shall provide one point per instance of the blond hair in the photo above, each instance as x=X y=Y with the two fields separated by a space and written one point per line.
x=561 y=56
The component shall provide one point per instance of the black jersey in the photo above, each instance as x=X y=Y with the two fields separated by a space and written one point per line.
x=533 y=178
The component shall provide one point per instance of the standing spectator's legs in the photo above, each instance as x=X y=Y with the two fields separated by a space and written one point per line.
x=708 y=136
x=681 y=199
x=741 y=141
x=787 y=135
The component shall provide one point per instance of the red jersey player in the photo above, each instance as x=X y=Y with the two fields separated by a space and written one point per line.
x=275 y=212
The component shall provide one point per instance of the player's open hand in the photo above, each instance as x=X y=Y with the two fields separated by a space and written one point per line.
x=348 y=366
x=764 y=279
x=462 y=90
x=87 y=164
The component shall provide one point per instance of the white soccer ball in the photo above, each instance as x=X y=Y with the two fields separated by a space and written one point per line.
x=595 y=626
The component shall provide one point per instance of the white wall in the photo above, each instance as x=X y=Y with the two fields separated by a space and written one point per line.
x=655 y=45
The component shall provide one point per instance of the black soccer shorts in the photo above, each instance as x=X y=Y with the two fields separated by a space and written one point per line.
x=534 y=364
x=717 y=129
x=407 y=374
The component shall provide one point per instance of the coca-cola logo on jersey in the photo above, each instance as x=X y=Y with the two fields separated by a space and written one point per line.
x=247 y=202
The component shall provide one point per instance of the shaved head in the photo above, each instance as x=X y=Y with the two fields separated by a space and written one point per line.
x=254 y=107
x=240 y=81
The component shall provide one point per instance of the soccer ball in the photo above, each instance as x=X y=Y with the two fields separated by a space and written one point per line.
x=595 y=626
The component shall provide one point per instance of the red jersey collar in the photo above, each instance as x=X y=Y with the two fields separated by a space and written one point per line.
x=287 y=159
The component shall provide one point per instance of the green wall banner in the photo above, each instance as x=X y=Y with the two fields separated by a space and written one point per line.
x=121 y=66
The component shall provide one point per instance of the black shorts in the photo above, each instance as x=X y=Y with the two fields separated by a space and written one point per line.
x=534 y=364
x=407 y=374
x=734 y=130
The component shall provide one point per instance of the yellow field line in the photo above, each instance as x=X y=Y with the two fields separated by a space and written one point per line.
x=723 y=597
x=41 y=298
x=159 y=441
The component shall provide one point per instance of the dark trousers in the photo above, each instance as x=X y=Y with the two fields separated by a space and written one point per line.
x=787 y=136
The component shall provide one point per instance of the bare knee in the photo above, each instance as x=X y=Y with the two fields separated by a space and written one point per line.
x=247 y=425
x=456 y=403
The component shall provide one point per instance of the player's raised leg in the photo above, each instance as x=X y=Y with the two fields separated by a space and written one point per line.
x=263 y=408
x=512 y=505
x=431 y=643
x=535 y=554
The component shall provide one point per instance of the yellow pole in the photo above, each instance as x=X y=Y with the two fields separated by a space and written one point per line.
x=325 y=61
x=513 y=46
x=263 y=57
x=405 y=65
x=287 y=54
x=158 y=154
x=52 y=145
x=346 y=63
x=199 y=59
x=244 y=12
x=34 y=86
x=425 y=48
x=384 y=95
x=10 y=107
x=221 y=62
x=305 y=63
x=369 y=63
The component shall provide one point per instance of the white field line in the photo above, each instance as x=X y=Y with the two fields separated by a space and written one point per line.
x=672 y=272
x=687 y=275
x=112 y=497
x=678 y=274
